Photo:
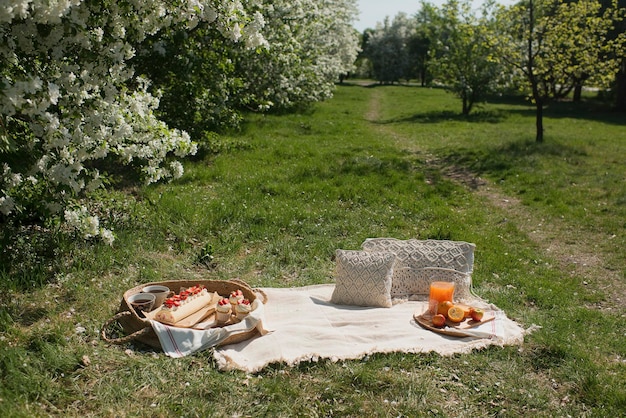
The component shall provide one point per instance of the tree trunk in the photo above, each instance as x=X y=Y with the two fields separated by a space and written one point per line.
x=620 y=87
x=539 y=120
x=578 y=92
x=537 y=97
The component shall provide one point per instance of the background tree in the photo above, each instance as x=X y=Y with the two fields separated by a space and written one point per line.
x=193 y=73
x=552 y=44
x=311 y=42
x=461 y=57
x=418 y=46
x=421 y=41
x=585 y=53
x=363 y=65
x=387 y=49
x=618 y=87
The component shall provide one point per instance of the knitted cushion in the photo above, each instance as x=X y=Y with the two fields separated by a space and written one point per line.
x=413 y=282
x=412 y=256
x=363 y=278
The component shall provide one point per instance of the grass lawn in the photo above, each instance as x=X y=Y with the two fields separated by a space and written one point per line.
x=549 y=222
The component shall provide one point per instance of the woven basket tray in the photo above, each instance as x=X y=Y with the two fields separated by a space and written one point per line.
x=139 y=329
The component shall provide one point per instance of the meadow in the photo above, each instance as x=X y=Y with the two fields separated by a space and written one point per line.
x=271 y=204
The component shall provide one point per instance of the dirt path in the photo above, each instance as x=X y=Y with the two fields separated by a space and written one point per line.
x=373 y=110
x=577 y=254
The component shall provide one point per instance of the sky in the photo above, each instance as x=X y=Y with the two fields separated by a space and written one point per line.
x=373 y=11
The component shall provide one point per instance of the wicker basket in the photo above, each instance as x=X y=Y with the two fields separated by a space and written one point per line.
x=139 y=329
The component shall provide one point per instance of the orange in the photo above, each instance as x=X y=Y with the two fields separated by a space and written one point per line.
x=444 y=307
x=466 y=309
x=456 y=314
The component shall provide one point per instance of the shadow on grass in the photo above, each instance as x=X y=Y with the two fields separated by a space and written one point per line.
x=486 y=116
x=546 y=358
x=586 y=110
x=28 y=256
x=589 y=108
x=25 y=315
x=478 y=115
x=499 y=159
x=374 y=84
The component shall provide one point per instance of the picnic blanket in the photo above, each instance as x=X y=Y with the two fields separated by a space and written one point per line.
x=303 y=325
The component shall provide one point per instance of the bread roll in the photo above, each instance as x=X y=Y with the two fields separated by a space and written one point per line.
x=180 y=306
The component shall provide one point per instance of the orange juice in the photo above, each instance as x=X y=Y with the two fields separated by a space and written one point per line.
x=439 y=292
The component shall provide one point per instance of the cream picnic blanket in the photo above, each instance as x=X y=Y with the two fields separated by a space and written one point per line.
x=304 y=326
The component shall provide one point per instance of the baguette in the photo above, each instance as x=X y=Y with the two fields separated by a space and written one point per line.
x=182 y=305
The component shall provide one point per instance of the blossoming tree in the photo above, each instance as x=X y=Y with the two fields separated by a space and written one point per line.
x=311 y=43
x=69 y=98
x=207 y=82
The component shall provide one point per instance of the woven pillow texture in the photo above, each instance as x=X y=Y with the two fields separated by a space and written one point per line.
x=416 y=282
x=415 y=260
x=363 y=278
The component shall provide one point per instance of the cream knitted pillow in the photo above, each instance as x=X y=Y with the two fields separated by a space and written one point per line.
x=416 y=282
x=413 y=256
x=363 y=278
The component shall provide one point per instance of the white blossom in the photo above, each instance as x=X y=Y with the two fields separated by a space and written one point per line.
x=7 y=205
x=177 y=169
x=91 y=226
x=87 y=225
x=107 y=236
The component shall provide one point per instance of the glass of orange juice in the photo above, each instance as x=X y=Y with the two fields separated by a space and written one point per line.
x=439 y=292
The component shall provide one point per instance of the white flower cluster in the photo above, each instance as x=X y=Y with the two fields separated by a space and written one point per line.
x=68 y=96
x=254 y=37
x=87 y=225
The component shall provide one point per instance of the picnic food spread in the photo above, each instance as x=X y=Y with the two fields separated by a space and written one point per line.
x=454 y=319
x=237 y=314
x=446 y=317
x=456 y=313
x=195 y=303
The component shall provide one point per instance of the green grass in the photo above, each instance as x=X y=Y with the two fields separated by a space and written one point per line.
x=272 y=208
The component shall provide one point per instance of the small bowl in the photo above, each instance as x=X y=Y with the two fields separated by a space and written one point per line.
x=160 y=292
x=142 y=302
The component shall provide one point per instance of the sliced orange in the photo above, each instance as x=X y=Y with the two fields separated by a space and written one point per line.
x=466 y=309
x=456 y=314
